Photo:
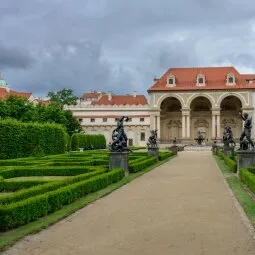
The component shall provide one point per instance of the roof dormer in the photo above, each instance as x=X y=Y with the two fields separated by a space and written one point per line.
x=231 y=79
x=201 y=80
x=171 y=81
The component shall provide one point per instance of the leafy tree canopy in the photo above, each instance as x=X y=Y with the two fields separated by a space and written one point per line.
x=62 y=97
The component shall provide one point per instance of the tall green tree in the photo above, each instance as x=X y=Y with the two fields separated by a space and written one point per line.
x=62 y=97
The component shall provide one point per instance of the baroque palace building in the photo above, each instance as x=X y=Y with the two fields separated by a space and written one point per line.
x=183 y=102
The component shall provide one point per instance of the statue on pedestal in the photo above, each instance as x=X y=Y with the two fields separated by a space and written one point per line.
x=199 y=138
x=152 y=141
x=119 y=137
x=244 y=143
x=228 y=138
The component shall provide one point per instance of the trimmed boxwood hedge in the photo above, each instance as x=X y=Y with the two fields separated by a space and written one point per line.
x=165 y=155
x=49 y=171
x=87 y=141
x=248 y=178
x=22 y=212
x=41 y=189
x=20 y=139
x=139 y=166
x=231 y=164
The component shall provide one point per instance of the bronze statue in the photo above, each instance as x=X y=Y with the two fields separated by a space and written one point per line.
x=228 y=138
x=199 y=138
x=152 y=141
x=119 y=137
x=246 y=131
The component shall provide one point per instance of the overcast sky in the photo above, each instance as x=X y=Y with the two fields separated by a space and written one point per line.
x=117 y=45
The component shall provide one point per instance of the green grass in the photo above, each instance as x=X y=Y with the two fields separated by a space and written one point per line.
x=10 y=237
x=240 y=191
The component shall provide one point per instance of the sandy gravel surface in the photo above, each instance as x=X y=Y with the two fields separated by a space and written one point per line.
x=181 y=208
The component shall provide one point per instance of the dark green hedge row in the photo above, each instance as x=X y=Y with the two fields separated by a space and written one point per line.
x=248 y=178
x=23 y=212
x=251 y=169
x=41 y=189
x=87 y=141
x=49 y=171
x=220 y=154
x=18 y=185
x=20 y=139
x=137 y=160
x=231 y=164
x=139 y=166
x=165 y=155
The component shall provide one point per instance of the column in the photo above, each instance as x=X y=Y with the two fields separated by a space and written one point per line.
x=188 y=126
x=183 y=126
x=213 y=126
x=158 y=126
x=218 y=126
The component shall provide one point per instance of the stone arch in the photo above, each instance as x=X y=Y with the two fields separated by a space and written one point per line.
x=163 y=97
x=227 y=94
x=193 y=97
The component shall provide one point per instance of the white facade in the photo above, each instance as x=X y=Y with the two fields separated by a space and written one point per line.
x=97 y=119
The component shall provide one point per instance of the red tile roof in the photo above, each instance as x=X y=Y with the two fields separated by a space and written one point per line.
x=215 y=78
x=5 y=94
x=122 y=100
x=93 y=94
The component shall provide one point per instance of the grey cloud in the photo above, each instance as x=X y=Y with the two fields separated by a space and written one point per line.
x=14 y=58
x=116 y=45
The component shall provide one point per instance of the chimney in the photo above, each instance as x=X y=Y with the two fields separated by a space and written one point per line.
x=109 y=96
x=155 y=79
x=134 y=94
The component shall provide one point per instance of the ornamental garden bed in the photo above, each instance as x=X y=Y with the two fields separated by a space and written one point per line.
x=31 y=188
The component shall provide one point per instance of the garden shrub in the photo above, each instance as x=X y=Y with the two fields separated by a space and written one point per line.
x=87 y=141
x=165 y=155
x=139 y=166
x=48 y=171
x=20 y=139
x=220 y=154
x=22 y=212
x=37 y=190
x=38 y=152
x=248 y=178
x=231 y=164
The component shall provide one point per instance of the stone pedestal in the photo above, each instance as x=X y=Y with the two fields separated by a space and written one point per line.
x=214 y=149
x=153 y=152
x=174 y=149
x=245 y=159
x=119 y=160
x=228 y=151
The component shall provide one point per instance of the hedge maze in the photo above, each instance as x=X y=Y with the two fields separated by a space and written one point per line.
x=31 y=188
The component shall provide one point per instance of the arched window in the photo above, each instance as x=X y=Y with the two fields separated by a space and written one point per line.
x=231 y=79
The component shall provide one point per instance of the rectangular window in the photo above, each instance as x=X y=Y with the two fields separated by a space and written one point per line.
x=171 y=81
x=104 y=119
x=201 y=80
x=116 y=119
x=92 y=120
x=142 y=136
x=130 y=119
x=141 y=119
x=230 y=80
x=130 y=142
x=80 y=120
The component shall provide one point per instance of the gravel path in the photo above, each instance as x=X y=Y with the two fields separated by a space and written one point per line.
x=181 y=208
